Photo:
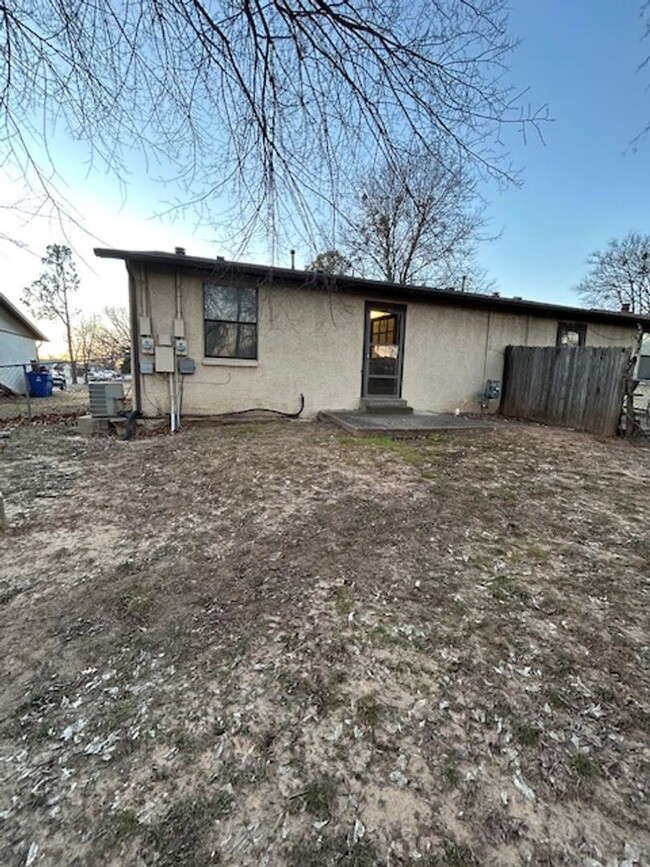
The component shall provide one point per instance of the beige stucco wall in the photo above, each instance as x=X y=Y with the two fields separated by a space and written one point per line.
x=451 y=352
x=311 y=342
x=308 y=342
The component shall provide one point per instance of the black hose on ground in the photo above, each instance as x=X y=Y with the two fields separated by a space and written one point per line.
x=264 y=409
x=131 y=419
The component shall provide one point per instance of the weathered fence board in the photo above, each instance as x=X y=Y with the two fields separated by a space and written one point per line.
x=575 y=386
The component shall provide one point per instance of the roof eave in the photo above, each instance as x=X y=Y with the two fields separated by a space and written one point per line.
x=377 y=287
x=20 y=316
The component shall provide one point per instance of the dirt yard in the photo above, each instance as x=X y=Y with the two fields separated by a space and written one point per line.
x=271 y=644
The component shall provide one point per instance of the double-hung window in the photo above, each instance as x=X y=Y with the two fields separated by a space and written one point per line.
x=230 y=315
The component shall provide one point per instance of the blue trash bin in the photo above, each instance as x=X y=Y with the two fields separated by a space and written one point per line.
x=40 y=384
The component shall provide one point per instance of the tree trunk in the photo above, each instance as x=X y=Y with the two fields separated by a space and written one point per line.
x=73 y=363
x=68 y=330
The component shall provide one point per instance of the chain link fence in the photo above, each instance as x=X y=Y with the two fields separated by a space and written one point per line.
x=33 y=390
x=15 y=392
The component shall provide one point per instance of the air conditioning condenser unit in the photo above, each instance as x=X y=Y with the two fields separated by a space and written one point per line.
x=106 y=398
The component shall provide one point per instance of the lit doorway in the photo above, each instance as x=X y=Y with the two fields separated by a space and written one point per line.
x=383 y=350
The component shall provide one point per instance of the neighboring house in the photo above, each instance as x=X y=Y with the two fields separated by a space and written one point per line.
x=257 y=336
x=17 y=345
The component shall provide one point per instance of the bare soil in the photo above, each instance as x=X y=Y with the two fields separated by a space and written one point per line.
x=271 y=644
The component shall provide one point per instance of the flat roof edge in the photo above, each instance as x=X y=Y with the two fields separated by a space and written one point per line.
x=377 y=287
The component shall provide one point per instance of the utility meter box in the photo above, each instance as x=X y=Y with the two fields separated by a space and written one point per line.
x=147 y=346
x=164 y=359
x=181 y=346
x=186 y=365
x=492 y=389
x=179 y=328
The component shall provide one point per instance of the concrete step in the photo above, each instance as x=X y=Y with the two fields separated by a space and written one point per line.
x=395 y=405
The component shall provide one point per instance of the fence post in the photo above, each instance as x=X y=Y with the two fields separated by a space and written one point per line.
x=27 y=393
x=632 y=427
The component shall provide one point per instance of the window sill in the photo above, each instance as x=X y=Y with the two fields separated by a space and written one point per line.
x=230 y=362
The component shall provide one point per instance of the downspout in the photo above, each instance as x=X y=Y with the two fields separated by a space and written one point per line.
x=146 y=298
x=172 y=404
x=174 y=384
x=484 y=400
x=135 y=339
x=27 y=393
x=177 y=289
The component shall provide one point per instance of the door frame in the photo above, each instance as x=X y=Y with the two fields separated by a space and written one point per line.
x=367 y=325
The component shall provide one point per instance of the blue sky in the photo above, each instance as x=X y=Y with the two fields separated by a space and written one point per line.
x=584 y=186
x=581 y=187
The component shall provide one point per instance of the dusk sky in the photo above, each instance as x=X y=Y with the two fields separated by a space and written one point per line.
x=582 y=187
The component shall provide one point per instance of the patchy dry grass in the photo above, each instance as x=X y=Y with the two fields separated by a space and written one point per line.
x=277 y=645
x=72 y=401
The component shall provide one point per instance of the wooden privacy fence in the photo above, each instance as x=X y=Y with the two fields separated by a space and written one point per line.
x=576 y=386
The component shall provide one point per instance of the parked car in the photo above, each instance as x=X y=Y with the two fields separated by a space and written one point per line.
x=58 y=379
x=101 y=375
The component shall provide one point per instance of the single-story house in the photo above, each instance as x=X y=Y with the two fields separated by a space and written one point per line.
x=18 y=339
x=218 y=336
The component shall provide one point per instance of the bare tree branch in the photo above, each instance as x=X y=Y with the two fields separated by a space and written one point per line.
x=644 y=14
x=331 y=262
x=102 y=339
x=619 y=276
x=278 y=102
x=417 y=221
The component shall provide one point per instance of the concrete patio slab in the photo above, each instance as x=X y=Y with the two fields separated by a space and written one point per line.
x=417 y=423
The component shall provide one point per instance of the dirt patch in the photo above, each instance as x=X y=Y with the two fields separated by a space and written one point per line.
x=271 y=645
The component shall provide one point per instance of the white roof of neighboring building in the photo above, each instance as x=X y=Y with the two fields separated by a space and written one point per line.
x=20 y=317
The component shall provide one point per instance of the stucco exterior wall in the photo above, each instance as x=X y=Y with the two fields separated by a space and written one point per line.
x=451 y=352
x=311 y=342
